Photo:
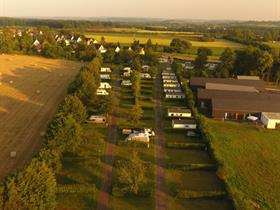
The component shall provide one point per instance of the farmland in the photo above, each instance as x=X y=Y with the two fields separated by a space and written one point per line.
x=250 y=159
x=164 y=39
x=30 y=90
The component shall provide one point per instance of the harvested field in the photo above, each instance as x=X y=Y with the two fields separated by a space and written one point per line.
x=30 y=90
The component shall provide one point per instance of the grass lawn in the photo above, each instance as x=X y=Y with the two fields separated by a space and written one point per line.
x=251 y=163
x=83 y=167
x=146 y=154
x=199 y=204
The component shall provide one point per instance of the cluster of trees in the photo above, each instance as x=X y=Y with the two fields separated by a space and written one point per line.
x=34 y=187
x=251 y=61
x=178 y=46
x=48 y=47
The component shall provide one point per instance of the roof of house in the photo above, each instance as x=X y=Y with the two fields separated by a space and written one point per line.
x=236 y=95
x=201 y=82
x=186 y=111
x=241 y=88
x=185 y=121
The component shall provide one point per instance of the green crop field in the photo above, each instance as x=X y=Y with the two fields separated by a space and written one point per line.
x=251 y=164
x=163 y=39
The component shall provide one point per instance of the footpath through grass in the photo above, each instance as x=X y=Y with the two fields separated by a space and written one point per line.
x=251 y=163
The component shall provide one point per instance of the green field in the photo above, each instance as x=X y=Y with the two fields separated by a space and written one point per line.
x=164 y=39
x=251 y=164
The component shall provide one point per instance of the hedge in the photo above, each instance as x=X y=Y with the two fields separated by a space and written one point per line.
x=186 y=145
x=122 y=192
x=76 y=188
x=192 y=166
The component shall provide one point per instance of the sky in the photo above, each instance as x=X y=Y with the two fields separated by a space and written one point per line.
x=168 y=9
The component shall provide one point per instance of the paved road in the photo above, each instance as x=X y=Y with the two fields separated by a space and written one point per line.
x=160 y=192
x=105 y=190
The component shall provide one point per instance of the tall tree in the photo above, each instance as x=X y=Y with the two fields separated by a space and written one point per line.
x=131 y=174
x=226 y=65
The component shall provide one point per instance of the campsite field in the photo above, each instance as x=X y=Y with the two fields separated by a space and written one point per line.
x=30 y=90
x=251 y=165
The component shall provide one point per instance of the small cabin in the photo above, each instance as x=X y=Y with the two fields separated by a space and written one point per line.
x=188 y=124
x=105 y=70
x=170 y=80
x=105 y=85
x=102 y=92
x=172 y=90
x=105 y=76
x=179 y=113
x=126 y=83
x=145 y=76
x=175 y=96
x=172 y=85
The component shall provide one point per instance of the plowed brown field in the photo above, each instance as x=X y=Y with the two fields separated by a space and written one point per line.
x=30 y=90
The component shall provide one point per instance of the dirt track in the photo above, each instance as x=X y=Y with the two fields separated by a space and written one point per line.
x=30 y=90
x=161 y=195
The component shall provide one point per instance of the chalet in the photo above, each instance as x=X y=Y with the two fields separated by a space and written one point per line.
x=171 y=85
x=172 y=90
x=105 y=76
x=168 y=73
x=145 y=68
x=188 y=124
x=127 y=74
x=173 y=81
x=175 y=96
x=165 y=77
x=127 y=69
x=102 y=92
x=102 y=49
x=179 y=113
x=126 y=83
x=105 y=85
x=271 y=120
x=105 y=70
x=145 y=76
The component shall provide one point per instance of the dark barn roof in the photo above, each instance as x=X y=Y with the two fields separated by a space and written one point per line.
x=245 y=105
x=201 y=82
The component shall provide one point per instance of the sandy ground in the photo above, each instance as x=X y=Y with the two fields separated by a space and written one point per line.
x=30 y=90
